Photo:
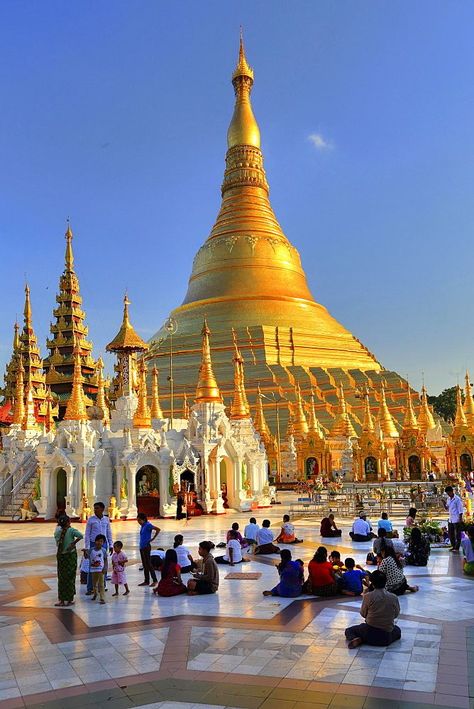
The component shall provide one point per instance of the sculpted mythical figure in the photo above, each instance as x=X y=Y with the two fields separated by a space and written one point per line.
x=114 y=512
x=85 y=509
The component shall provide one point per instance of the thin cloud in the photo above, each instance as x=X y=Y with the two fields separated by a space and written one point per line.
x=320 y=142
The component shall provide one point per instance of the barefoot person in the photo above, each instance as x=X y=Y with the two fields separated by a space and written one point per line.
x=379 y=608
x=287 y=533
x=291 y=577
x=391 y=566
x=265 y=538
x=66 y=539
x=148 y=533
x=328 y=527
x=206 y=580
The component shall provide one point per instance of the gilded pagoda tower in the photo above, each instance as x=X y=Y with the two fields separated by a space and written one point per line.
x=30 y=355
x=69 y=332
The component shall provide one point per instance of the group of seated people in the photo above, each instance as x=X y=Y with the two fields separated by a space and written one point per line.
x=178 y=560
x=361 y=529
x=258 y=540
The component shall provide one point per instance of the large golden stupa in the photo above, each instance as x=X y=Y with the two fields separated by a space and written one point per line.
x=248 y=282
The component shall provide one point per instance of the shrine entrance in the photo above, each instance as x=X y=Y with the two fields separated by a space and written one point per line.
x=312 y=468
x=414 y=467
x=465 y=463
x=61 y=490
x=147 y=482
x=370 y=469
x=223 y=479
x=186 y=480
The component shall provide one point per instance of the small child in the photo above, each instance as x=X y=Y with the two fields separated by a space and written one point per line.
x=335 y=560
x=98 y=567
x=118 y=569
x=84 y=569
x=352 y=580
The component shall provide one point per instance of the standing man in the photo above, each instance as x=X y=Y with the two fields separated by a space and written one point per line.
x=455 y=508
x=96 y=524
x=148 y=533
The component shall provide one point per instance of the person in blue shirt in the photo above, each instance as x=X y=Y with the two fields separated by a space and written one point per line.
x=384 y=523
x=148 y=533
x=352 y=580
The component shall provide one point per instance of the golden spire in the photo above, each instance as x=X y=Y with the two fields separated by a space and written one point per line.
x=342 y=426
x=385 y=418
x=76 y=406
x=29 y=419
x=49 y=418
x=300 y=424
x=127 y=338
x=243 y=129
x=207 y=389
x=19 y=407
x=100 y=401
x=16 y=338
x=368 y=422
x=27 y=309
x=156 y=412
x=185 y=406
x=468 y=402
x=142 y=417
x=425 y=417
x=69 y=258
x=410 y=422
x=259 y=421
x=460 y=421
x=239 y=408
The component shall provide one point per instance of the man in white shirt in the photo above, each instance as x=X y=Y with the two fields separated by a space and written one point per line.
x=455 y=508
x=97 y=524
x=361 y=530
x=250 y=531
x=233 y=552
x=265 y=539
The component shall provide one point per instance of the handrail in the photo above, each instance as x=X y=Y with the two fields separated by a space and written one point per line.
x=18 y=467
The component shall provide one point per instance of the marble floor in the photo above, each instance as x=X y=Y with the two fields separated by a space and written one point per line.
x=235 y=648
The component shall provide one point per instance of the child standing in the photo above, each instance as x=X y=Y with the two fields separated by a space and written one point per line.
x=118 y=569
x=98 y=567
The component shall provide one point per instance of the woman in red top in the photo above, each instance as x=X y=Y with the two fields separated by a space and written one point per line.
x=170 y=583
x=322 y=579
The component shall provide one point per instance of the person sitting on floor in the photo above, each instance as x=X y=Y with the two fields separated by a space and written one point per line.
x=170 y=583
x=235 y=528
x=322 y=579
x=291 y=577
x=185 y=560
x=352 y=580
x=265 y=540
x=467 y=545
x=380 y=543
x=361 y=529
x=250 y=531
x=233 y=552
x=384 y=523
x=379 y=608
x=391 y=566
x=410 y=520
x=335 y=559
x=418 y=549
x=287 y=534
x=328 y=527
x=206 y=580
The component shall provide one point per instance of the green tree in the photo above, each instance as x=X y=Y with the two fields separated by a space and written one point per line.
x=445 y=403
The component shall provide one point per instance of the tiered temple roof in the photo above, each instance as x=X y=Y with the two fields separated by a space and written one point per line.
x=69 y=331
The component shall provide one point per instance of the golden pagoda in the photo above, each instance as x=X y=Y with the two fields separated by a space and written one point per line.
x=127 y=344
x=299 y=422
x=342 y=427
x=156 y=412
x=426 y=420
x=468 y=403
x=19 y=397
x=240 y=406
x=8 y=391
x=76 y=404
x=100 y=401
x=32 y=362
x=142 y=416
x=69 y=331
x=385 y=418
x=259 y=420
x=207 y=389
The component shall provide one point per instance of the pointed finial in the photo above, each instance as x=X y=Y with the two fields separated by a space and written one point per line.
x=385 y=418
x=207 y=389
x=460 y=421
x=368 y=422
x=76 y=405
x=100 y=401
x=69 y=257
x=242 y=68
x=16 y=337
x=156 y=412
x=240 y=406
x=468 y=402
x=27 y=308
x=243 y=129
x=300 y=424
x=410 y=422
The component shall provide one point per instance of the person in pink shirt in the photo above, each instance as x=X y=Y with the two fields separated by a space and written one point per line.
x=119 y=577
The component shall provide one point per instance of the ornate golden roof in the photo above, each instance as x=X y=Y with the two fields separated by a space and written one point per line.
x=342 y=426
x=207 y=389
x=426 y=420
x=410 y=422
x=156 y=412
x=239 y=408
x=127 y=338
x=385 y=418
x=142 y=417
x=76 y=405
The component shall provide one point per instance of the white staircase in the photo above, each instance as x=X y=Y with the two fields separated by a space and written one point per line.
x=18 y=486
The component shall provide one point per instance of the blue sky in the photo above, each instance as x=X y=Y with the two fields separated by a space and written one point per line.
x=115 y=113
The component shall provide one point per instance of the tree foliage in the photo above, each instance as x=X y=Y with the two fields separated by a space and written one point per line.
x=445 y=403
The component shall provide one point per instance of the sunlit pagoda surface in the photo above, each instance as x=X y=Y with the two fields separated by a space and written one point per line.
x=248 y=277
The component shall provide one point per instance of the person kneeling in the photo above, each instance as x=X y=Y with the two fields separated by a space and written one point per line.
x=379 y=608
x=207 y=580
x=291 y=577
x=233 y=554
x=287 y=533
